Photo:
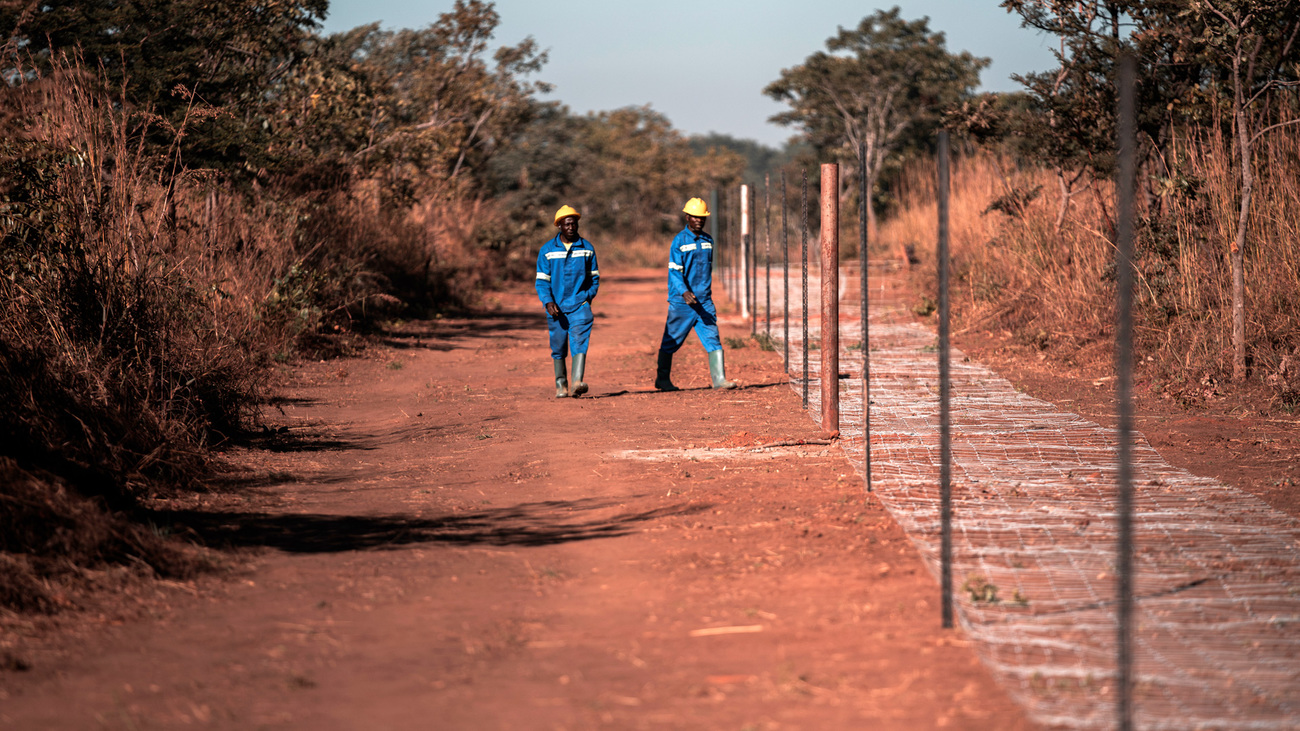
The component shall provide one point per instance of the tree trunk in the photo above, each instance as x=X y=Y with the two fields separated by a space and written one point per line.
x=1064 y=208
x=1238 y=250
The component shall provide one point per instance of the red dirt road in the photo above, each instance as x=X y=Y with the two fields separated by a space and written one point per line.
x=437 y=542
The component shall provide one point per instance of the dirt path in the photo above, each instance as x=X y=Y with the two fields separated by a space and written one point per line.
x=436 y=542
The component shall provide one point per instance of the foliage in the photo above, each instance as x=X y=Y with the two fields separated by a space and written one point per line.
x=627 y=170
x=202 y=65
x=880 y=87
x=760 y=160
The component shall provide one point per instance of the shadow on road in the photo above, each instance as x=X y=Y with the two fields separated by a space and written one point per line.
x=439 y=334
x=527 y=524
x=683 y=389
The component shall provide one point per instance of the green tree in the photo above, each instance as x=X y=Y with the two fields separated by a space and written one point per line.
x=879 y=87
x=759 y=158
x=628 y=170
x=440 y=103
x=173 y=57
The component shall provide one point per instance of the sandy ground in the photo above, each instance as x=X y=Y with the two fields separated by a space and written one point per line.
x=434 y=541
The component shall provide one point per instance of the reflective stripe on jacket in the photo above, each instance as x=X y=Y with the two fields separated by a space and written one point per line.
x=567 y=277
x=690 y=266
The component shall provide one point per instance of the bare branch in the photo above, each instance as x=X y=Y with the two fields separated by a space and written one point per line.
x=1272 y=127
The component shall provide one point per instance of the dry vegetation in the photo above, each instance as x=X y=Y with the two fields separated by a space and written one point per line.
x=163 y=248
x=1054 y=289
x=141 y=306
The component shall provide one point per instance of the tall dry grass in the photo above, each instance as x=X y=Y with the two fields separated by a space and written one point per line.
x=143 y=302
x=126 y=341
x=1015 y=271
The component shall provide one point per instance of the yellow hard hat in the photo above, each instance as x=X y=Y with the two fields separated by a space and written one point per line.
x=565 y=211
x=696 y=207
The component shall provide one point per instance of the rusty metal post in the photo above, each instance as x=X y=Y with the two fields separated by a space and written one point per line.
x=830 y=236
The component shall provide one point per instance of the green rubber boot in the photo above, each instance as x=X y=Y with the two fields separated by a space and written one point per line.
x=718 y=371
x=561 y=379
x=662 y=373
x=579 y=367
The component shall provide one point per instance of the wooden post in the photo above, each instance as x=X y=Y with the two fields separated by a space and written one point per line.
x=830 y=236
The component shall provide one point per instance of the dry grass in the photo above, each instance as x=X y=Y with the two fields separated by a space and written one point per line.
x=1055 y=289
x=141 y=308
x=635 y=253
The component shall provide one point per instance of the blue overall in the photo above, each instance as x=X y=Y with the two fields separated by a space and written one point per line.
x=690 y=269
x=569 y=278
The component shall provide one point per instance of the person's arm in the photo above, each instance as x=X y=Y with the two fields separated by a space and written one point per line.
x=677 y=273
x=595 y=276
x=543 y=284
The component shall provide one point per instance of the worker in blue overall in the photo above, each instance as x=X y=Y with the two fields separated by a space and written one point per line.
x=567 y=280
x=690 y=299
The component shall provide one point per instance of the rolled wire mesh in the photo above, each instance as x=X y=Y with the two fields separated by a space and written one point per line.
x=1217 y=590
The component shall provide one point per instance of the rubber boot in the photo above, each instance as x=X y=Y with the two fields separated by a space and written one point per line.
x=718 y=372
x=579 y=366
x=662 y=373
x=561 y=379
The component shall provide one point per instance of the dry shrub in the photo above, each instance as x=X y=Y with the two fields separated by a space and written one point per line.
x=1014 y=271
x=129 y=342
x=635 y=252
x=143 y=301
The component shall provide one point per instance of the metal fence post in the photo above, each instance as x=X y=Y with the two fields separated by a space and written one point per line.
x=731 y=246
x=753 y=261
x=723 y=243
x=803 y=270
x=864 y=200
x=1124 y=190
x=713 y=229
x=744 y=251
x=945 y=435
x=767 y=256
x=785 y=275
x=830 y=240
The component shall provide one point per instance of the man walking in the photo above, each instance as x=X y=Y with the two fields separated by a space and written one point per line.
x=567 y=280
x=690 y=299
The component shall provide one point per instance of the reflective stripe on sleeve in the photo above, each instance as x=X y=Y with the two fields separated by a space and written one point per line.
x=678 y=267
x=595 y=272
x=544 y=277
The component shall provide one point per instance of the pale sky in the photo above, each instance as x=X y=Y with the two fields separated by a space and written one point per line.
x=704 y=63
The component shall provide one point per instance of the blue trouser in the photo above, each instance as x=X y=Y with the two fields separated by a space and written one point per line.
x=703 y=317
x=571 y=329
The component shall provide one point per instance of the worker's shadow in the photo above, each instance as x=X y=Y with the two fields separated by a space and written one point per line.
x=684 y=389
